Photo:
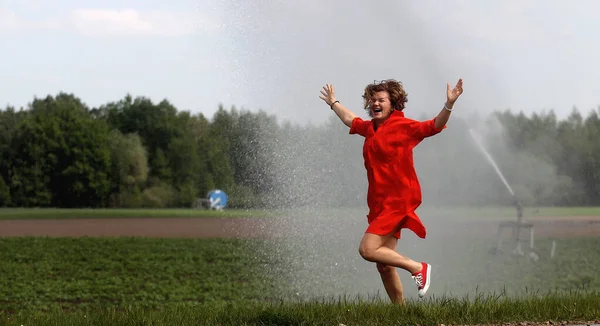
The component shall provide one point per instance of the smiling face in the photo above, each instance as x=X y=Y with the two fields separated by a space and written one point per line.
x=382 y=98
x=380 y=107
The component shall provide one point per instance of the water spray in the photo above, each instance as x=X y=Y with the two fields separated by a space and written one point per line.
x=477 y=140
x=517 y=225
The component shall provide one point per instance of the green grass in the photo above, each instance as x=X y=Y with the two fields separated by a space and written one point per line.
x=455 y=212
x=528 y=212
x=64 y=213
x=484 y=309
x=563 y=211
x=46 y=273
x=132 y=281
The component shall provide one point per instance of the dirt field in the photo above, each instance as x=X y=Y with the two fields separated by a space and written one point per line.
x=244 y=228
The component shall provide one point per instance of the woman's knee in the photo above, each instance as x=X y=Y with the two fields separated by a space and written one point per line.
x=385 y=269
x=367 y=251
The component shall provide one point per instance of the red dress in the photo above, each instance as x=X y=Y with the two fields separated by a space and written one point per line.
x=394 y=191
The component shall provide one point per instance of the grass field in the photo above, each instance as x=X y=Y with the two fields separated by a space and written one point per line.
x=62 y=213
x=133 y=281
x=509 y=211
x=576 y=308
x=463 y=212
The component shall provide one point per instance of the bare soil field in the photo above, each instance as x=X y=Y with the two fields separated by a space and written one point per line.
x=249 y=227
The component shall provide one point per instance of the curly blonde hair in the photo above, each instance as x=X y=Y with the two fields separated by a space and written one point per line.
x=398 y=96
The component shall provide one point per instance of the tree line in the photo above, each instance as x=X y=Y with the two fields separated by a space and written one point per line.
x=58 y=152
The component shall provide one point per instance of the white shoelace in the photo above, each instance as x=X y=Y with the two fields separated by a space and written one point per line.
x=418 y=279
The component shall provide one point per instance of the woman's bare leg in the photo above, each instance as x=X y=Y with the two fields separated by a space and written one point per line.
x=372 y=248
x=390 y=277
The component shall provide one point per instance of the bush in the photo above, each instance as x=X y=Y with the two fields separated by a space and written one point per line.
x=158 y=196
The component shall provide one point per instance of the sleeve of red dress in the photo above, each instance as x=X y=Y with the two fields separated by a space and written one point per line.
x=359 y=126
x=427 y=129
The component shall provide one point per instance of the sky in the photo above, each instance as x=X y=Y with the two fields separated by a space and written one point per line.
x=275 y=55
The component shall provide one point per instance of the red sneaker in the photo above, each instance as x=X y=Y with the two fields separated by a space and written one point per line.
x=422 y=279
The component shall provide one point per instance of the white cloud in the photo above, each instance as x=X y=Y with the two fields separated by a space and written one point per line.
x=111 y=22
x=107 y=22
x=10 y=21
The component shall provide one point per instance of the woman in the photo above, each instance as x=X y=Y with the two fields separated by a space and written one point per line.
x=394 y=192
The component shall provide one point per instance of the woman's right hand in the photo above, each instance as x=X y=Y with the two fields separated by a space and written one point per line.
x=329 y=97
x=328 y=94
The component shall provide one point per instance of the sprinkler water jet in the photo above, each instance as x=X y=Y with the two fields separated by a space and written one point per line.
x=516 y=226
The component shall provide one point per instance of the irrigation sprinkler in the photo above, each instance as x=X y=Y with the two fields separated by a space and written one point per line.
x=515 y=226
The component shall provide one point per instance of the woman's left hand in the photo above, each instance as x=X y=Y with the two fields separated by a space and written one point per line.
x=454 y=93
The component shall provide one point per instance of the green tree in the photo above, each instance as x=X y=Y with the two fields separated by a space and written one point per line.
x=62 y=158
x=129 y=168
x=9 y=120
